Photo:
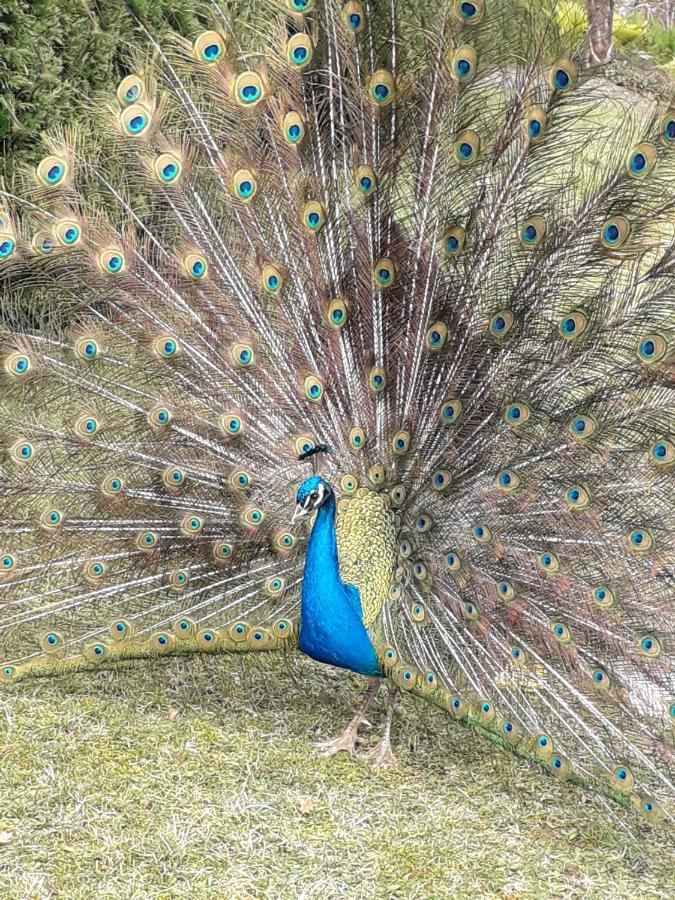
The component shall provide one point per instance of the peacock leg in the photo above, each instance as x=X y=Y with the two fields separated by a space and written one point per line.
x=382 y=754
x=349 y=739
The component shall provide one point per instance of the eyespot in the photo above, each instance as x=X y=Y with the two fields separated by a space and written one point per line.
x=238 y=631
x=313 y=388
x=52 y=519
x=240 y=480
x=667 y=129
x=243 y=355
x=406 y=677
x=208 y=47
x=641 y=160
x=573 y=325
x=436 y=336
x=430 y=681
x=518 y=655
x=299 y=51
x=222 y=551
x=147 y=541
x=441 y=479
x=505 y=590
x=95 y=571
x=207 y=639
x=313 y=217
x=7 y=563
x=167 y=168
x=284 y=542
x=159 y=417
x=501 y=323
x=548 y=563
x=535 y=124
x=112 y=261
x=42 y=243
x=354 y=18
x=377 y=379
x=394 y=593
x=453 y=561
x=303 y=444
x=195 y=266
x=615 y=232
x=662 y=452
x=17 y=365
x=486 y=711
x=452 y=241
x=300 y=6
x=338 y=312
x=52 y=642
x=390 y=656
x=130 y=90
x=249 y=89
x=400 y=443
x=601 y=679
x=482 y=534
x=507 y=481
x=86 y=426
x=562 y=75
x=640 y=540
x=464 y=63
x=650 y=646
x=603 y=597
x=87 y=349
x=561 y=632
x=244 y=185
x=398 y=495
x=384 y=273
x=120 y=630
x=112 y=486
x=516 y=414
x=166 y=346
x=418 y=612
x=22 y=451
x=179 y=579
x=252 y=517
x=282 y=628
x=651 y=349
x=52 y=171
x=174 y=478
x=423 y=523
x=275 y=586
x=272 y=279
x=365 y=180
x=451 y=411
x=471 y=612
x=466 y=148
x=582 y=427
x=68 y=233
x=623 y=778
x=135 y=120
x=543 y=744
x=577 y=497
x=161 y=642
x=376 y=475
x=469 y=13
x=191 y=525
x=532 y=232
x=293 y=129
x=405 y=549
x=348 y=483
x=511 y=731
x=420 y=571
x=458 y=707
x=7 y=245
x=381 y=88
x=357 y=438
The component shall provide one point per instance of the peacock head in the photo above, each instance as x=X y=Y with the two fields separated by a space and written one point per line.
x=312 y=493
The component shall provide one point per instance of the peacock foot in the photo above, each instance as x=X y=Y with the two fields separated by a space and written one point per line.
x=347 y=742
x=382 y=755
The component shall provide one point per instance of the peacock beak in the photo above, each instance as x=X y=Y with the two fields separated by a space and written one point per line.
x=300 y=513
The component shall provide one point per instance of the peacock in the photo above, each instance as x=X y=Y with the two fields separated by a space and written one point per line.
x=349 y=327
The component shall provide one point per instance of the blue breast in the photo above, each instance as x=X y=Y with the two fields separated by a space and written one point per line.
x=331 y=620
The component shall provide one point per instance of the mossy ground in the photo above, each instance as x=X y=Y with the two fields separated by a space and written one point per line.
x=197 y=778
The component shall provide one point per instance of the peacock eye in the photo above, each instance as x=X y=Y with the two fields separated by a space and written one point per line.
x=385 y=273
x=469 y=13
x=7 y=246
x=293 y=129
x=562 y=75
x=208 y=47
x=532 y=232
x=615 y=231
x=501 y=323
x=452 y=241
x=52 y=170
x=535 y=123
x=299 y=51
x=135 y=120
x=353 y=16
x=641 y=160
x=466 y=148
x=129 y=90
x=249 y=89
x=464 y=63
x=195 y=266
x=245 y=184
x=381 y=89
x=167 y=168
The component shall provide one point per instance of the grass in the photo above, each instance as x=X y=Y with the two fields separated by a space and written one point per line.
x=196 y=778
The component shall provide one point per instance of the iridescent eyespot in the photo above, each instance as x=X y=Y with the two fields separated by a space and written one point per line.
x=601 y=679
x=559 y=766
x=436 y=336
x=406 y=677
x=300 y=6
x=135 y=120
x=252 y=517
x=112 y=261
x=381 y=88
x=249 y=89
x=548 y=563
x=293 y=129
x=7 y=245
x=348 y=483
x=86 y=426
x=543 y=744
x=640 y=540
x=651 y=349
x=52 y=519
x=376 y=475
x=441 y=480
x=159 y=417
x=337 y=313
x=282 y=628
x=377 y=379
x=507 y=480
x=562 y=75
x=208 y=47
x=453 y=561
x=313 y=216
x=577 y=497
x=161 y=642
x=42 y=243
x=166 y=346
x=22 y=451
x=272 y=279
x=466 y=148
x=516 y=414
x=501 y=323
x=418 y=612
x=573 y=325
x=244 y=185
x=451 y=411
x=167 y=168
x=603 y=597
x=207 y=639
x=615 y=231
x=357 y=438
x=641 y=160
x=458 y=707
x=667 y=129
x=238 y=631
x=384 y=273
x=313 y=388
x=173 y=477
x=87 y=349
x=561 y=632
x=299 y=51
x=275 y=586
x=94 y=571
x=532 y=232
x=390 y=656
x=130 y=89
x=464 y=62
x=195 y=266
x=420 y=571
x=469 y=13
x=398 y=495
x=518 y=655
x=7 y=563
x=243 y=355
x=191 y=525
x=505 y=590
x=486 y=711
x=471 y=611
x=405 y=549
x=365 y=180
x=51 y=642
x=452 y=241
x=582 y=427
x=430 y=680
x=240 y=480
x=18 y=365
x=52 y=171
x=147 y=541
x=68 y=233
x=535 y=124
x=303 y=444
x=662 y=452
x=179 y=579
x=354 y=17
x=650 y=646
x=623 y=778
x=7 y=673
x=284 y=541
x=400 y=442
x=482 y=534
x=423 y=523
x=112 y=486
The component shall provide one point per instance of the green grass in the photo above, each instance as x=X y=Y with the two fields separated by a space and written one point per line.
x=196 y=778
